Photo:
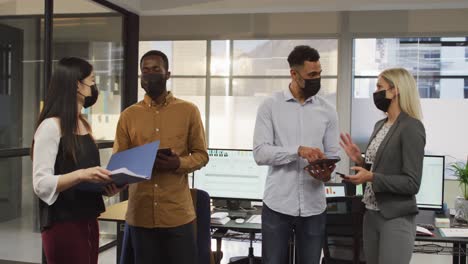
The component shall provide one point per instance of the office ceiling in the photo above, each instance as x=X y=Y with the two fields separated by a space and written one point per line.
x=199 y=7
x=36 y=7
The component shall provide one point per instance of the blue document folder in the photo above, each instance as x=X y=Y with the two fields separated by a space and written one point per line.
x=128 y=166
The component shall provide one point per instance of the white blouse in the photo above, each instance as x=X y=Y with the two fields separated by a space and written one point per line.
x=46 y=144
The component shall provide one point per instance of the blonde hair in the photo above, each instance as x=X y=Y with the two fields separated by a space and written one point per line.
x=408 y=97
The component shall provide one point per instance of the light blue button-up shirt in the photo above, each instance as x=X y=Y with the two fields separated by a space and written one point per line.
x=283 y=124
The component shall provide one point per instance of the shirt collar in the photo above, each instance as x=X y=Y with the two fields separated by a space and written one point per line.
x=288 y=96
x=310 y=100
x=149 y=102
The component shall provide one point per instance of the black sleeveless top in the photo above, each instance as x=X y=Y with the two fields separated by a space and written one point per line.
x=73 y=204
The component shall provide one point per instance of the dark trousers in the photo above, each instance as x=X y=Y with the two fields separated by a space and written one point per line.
x=71 y=242
x=174 y=245
x=278 y=228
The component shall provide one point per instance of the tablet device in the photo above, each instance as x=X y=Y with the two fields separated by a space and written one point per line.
x=323 y=162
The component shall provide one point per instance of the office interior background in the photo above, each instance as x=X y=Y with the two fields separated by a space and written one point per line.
x=226 y=57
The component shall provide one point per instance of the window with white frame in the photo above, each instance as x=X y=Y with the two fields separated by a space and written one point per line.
x=441 y=71
x=228 y=79
x=187 y=64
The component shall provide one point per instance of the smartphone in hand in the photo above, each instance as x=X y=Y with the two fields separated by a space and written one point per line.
x=165 y=151
x=343 y=176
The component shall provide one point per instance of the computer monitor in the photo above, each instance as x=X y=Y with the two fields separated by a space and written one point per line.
x=232 y=174
x=335 y=189
x=431 y=192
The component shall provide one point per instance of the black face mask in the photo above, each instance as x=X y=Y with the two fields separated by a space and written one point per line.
x=91 y=100
x=154 y=84
x=311 y=86
x=382 y=102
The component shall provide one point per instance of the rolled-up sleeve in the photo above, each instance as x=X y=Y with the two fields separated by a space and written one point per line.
x=46 y=144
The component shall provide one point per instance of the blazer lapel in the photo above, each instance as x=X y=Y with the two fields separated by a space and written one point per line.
x=382 y=122
x=384 y=142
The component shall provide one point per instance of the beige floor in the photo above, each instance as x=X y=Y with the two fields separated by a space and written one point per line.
x=18 y=242
x=233 y=248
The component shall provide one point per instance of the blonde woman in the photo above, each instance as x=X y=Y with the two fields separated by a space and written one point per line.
x=394 y=156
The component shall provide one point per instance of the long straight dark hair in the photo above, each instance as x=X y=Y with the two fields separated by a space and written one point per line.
x=61 y=101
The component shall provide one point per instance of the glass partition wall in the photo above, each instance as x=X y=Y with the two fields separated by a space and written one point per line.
x=21 y=73
x=93 y=30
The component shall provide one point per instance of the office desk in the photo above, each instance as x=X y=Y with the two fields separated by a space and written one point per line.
x=249 y=228
x=458 y=249
x=245 y=227
x=116 y=213
x=459 y=245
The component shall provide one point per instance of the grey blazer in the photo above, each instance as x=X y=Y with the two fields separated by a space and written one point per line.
x=398 y=166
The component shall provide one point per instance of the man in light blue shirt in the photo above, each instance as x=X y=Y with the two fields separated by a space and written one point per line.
x=295 y=127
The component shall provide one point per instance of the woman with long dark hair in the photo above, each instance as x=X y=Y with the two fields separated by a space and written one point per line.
x=65 y=155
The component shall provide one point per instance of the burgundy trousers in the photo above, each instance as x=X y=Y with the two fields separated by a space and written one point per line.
x=72 y=242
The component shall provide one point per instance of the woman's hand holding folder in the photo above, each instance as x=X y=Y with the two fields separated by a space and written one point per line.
x=95 y=174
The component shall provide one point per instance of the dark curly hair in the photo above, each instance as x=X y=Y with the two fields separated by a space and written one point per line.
x=302 y=53
x=156 y=53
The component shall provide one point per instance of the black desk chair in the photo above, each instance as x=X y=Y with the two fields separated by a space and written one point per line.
x=201 y=202
x=250 y=258
x=343 y=238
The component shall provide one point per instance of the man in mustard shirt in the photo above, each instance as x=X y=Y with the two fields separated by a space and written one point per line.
x=160 y=212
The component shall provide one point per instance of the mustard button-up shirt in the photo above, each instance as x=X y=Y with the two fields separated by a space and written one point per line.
x=165 y=200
